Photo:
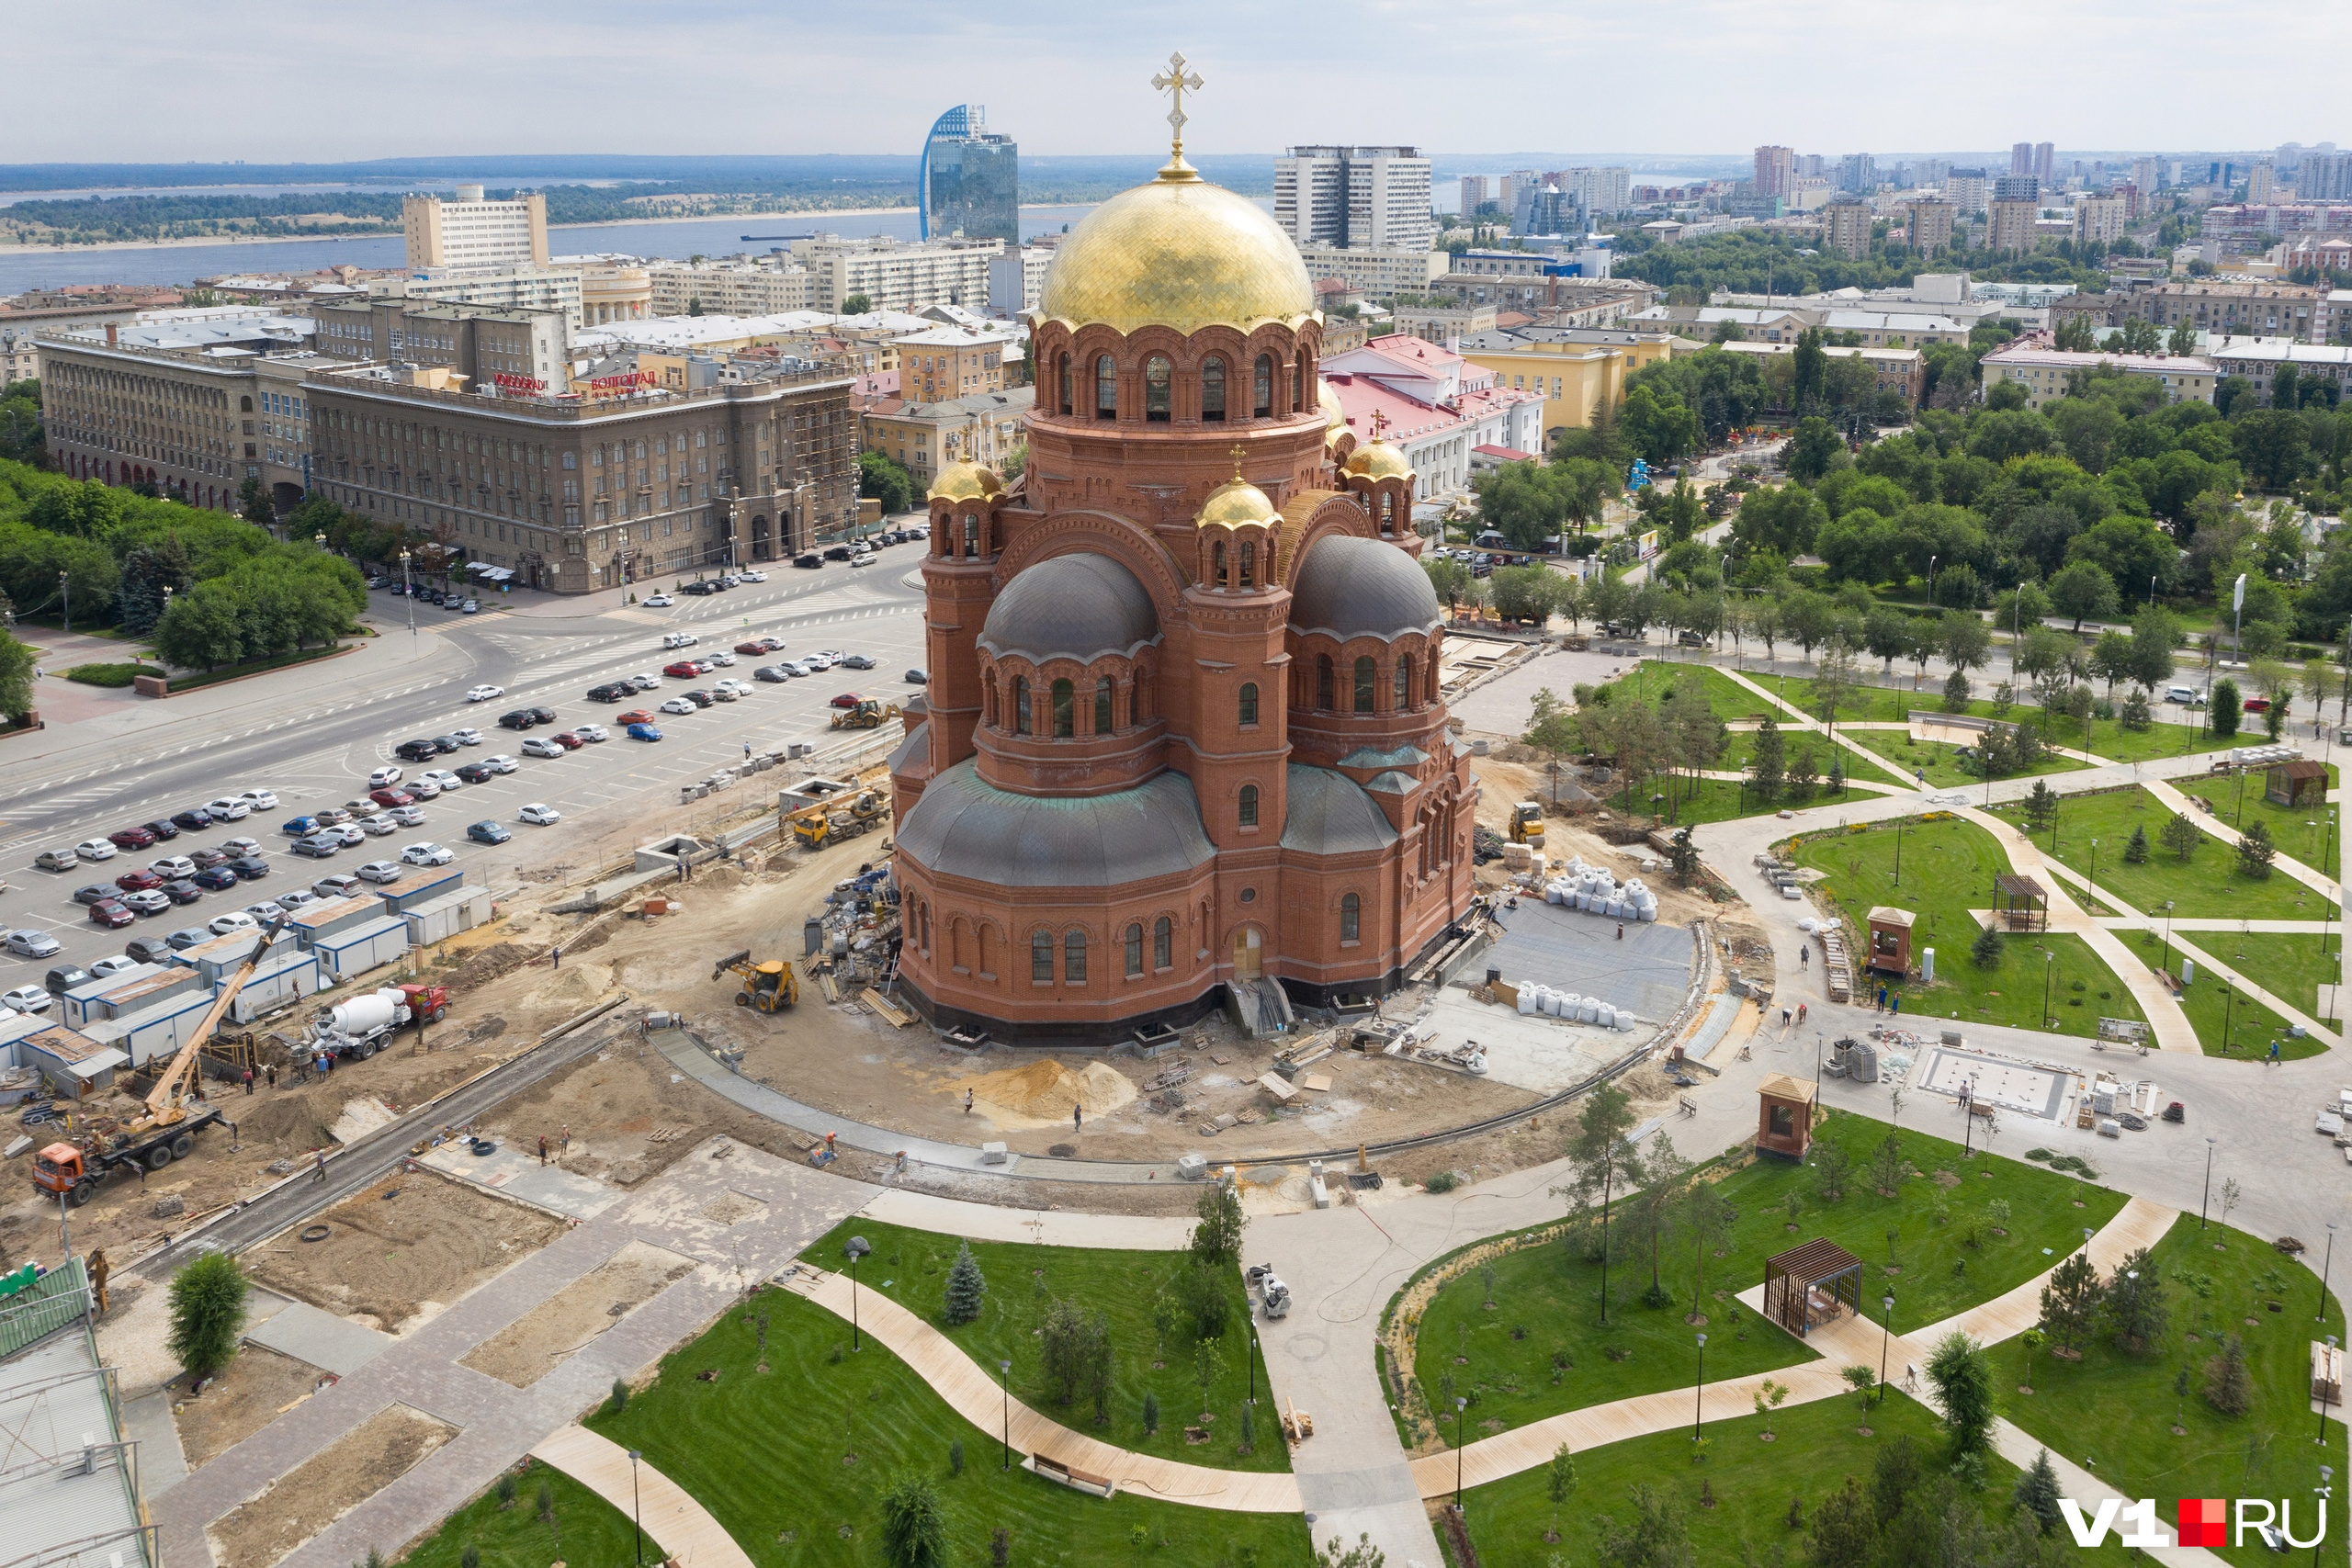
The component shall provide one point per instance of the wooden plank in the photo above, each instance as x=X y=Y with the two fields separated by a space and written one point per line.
x=897 y=1017
x=1277 y=1086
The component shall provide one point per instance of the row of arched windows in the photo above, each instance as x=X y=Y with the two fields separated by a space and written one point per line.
x=1072 y=945
x=1055 y=713
x=1160 y=386
x=1364 y=682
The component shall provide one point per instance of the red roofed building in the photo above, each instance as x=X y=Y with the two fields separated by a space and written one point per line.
x=1434 y=406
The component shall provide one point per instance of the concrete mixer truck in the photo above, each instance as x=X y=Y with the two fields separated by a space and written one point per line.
x=355 y=1029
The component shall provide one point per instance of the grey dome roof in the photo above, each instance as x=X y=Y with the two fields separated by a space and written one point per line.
x=1071 y=607
x=1349 y=587
x=966 y=827
x=1330 y=814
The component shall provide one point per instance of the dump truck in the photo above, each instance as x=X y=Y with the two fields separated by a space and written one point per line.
x=768 y=986
x=357 y=1029
x=1527 y=824
x=171 y=1116
x=867 y=715
x=815 y=827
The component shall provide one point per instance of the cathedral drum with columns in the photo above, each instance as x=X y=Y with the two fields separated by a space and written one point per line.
x=1183 y=732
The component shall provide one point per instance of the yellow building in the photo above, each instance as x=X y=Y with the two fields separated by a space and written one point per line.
x=1573 y=367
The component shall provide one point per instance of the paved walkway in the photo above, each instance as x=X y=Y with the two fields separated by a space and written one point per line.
x=2175 y=800
x=681 y=1527
x=981 y=1399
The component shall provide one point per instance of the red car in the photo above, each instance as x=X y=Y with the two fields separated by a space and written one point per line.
x=684 y=669
x=140 y=881
x=760 y=644
x=847 y=700
x=635 y=716
x=388 y=799
x=569 y=741
x=131 y=838
x=112 y=916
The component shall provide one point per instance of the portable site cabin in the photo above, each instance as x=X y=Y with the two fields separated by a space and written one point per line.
x=2296 y=784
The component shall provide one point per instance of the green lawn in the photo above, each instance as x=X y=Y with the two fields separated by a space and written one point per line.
x=1553 y=1293
x=2293 y=966
x=1946 y=769
x=2300 y=831
x=2205 y=887
x=586 y=1529
x=765 y=1453
x=2228 y=1022
x=1730 y=700
x=2107 y=739
x=910 y=1266
x=1948 y=869
x=2118 y=1410
x=1743 y=745
x=1816 y=1446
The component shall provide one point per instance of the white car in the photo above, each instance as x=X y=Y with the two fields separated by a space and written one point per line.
x=268 y=913
x=154 y=901
x=232 y=922
x=294 y=898
x=659 y=601
x=866 y=560
x=466 y=737
x=426 y=854
x=241 y=846
x=440 y=779
x=407 y=816
x=678 y=704
x=27 y=999
x=485 y=694
x=259 y=799
x=380 y=870
x=645 y=682
x=235 y=808
x=540 y=815
x=593 y=732
x=540 y=746
x=679 y=639
x=816 y=661
x=94 y=849
x=500 y=763
x=721 y=656
x=754 y=577
x=384 y=778
x=799 y=669
x=731 y=687
x=32 y=944
x=114 y=963
x=351 y=833
x=171 y=868
x=379 y=824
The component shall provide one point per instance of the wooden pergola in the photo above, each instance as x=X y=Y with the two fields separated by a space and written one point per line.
x=1811 y=1284
x=2019 y=903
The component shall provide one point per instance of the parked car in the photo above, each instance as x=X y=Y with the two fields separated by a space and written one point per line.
x=610 y=692
x=320 y=846
x=163 y=828
x=846 y=700
x=466 y=737
x=837 y=552
x=592 y=733
x=248 y=868
x=64 y=978
x=488 y=834
x=210 y=854
x=241 y=847
x=95 y=849
x=759 y=645
x=172 y=866
x=219 y=878
x=422 y=789
x=426 y=854
x=232 y=923
x=808 y=562
x=718 y=660
x=700 y=589
x=754 y=577
x=392 y=797
x=33 y=944
x=729 y=688
x=333 y=815
x=644 y=732
x=294 y=899
x=541 y=746
x=234 y=808
x=918 y=678
x=257 y=800
x=58 y=859
x=154 y=901
x=542 y=714
x=407 y=816
x=131 y=838
x=380 y=870
x=539 y=815
x=772 y=672
x=645 y=681
x=475 y=772
x=416 y=751
x=439 y=778
x=182 y=891
x=380 y=824
x=384 y=778
x=500 y=763
x=106 y=968
x=338 y=884
x=2188 y=696
x=568 y=739
x=866 y=558
x=857 y=662
x=95 y=893
x=27 y=999
x=519 y=719
x=659 y=601
x=138 y=881
x=678 y=706
x=112 y=914
x=187 y=937
x=194 y=819
x=684 y=669
x=269 y=912
x=700 y=698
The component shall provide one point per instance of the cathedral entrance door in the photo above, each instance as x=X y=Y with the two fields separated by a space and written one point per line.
x=1246 y=949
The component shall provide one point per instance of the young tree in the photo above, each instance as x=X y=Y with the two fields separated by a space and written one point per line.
x=1205 y=1292
x=2136 y=1309
x=1217 y=1237
x=2135 y=852
x=1886 y=1167
x=208 y=1309
x=1599 y=1160
x=1163 y=1322
x=2225 y=711
x=1767 y=761
x=2181 y=836
x=1965 y=641
x=1204 y=1366
x=1654 y=1535
x=914 y=1527
x=2135 y=715
x=1963 y=1374
x=1656 y=1208
x=1836 y=681
x=2229 y=1387
x=2071 y=1300
x=1150 y=1411
x=1832 y=1167
x=1552 y=730
x=1986 y=949
x=2037 y=1493
x=1861 y=1379
x=2084 y=591
x=1769 y=1395
x=2040 y=806
x=967 y=1288
x=2255 y=852
x=1956 y=692
x=1363 y=1554
x=1707 y=1216
x=1845 y=1529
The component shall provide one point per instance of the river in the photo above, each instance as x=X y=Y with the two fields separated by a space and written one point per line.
x=56 y=269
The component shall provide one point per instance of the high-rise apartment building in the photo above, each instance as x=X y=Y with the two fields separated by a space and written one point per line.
x=471 y=232
x=897 y=274
x=1596 y=190
x=2324 y=176
x=2017 y=187
x=1845 y=227
x=970 y=181
x=2262 y=184
x=1473 y=194
x=1507 y=189
x=1776 y=171
x=1354 y=196
x=2100 y=219
x=2009 y=229
x=1931 y=224
x=1966 y=189
x=2021 y=157
x=1858 y=172
x=2045 y=162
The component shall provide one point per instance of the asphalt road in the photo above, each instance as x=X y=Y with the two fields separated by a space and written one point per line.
x=313 y=736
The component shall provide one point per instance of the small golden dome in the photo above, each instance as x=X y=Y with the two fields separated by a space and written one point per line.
x=1236 y=502
x=1335 y=418
x=960 y=480
x=1176 y=253
x=1379 y=460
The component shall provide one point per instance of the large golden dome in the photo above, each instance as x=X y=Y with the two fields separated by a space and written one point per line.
x=1177 y=252
x=960 y=480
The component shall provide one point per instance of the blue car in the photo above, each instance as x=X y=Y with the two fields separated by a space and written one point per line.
x=487 y=832
x=299 y=827
x=643 y=732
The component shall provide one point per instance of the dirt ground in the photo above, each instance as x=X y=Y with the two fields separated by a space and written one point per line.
x=528 y=1349
x=313 y=1495
x=405 y=1248
x=255 y=1389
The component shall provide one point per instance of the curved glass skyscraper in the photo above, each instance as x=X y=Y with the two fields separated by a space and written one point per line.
x=970 y=181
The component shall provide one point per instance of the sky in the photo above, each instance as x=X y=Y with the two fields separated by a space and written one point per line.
x=327 y=80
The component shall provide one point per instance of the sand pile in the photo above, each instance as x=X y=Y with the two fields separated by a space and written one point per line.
x=1047 y=1091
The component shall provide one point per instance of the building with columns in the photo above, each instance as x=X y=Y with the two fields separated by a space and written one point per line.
x=1183 y=741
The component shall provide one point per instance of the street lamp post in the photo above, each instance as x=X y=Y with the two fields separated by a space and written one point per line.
x=408 y=596
x=1699 y=1393
x=636 y=1503
x=66 y=593
x=857 y=1247
x=1253 y=1368
x=1885 y=1337
x=2326 y=1475
x=2229 y=1003
x=2326 y=1263
x=2048 y=963
x=1459 y=1404
x=1898 y=851
x=2168 y=963
x=2208 y=1185
x=1004 y=1386
x=2094 y=870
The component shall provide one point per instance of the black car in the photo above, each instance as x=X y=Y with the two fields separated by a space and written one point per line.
x=219 y=878
x=808 y=562
x=195 y=816
x=699 y=698
x=445 y=745
x=699 y=588
x=209 y=856
x=182 y=891
x=248 y=868
x=64 y=978
x=94 y=892
x=519 y=719
x=837 y=552
x=611 y=693
x=416 y=751
x=161 y=829
x=538 y=716
x=918 y=678
x=474 y=772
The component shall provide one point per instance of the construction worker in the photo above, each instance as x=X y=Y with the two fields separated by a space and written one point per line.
x=1077 y=1120
x=1804 y=957
x=543 y=1148
x=318 y=1166
x=270 y=1072
x=567 y=1140
x=559 y=957
x=98 y=1273
x=967 y=1102
x=1801 y=1012
x=248 y=1075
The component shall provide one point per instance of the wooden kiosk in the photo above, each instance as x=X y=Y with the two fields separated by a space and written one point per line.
x=1785 y=1117
x=1890 y=944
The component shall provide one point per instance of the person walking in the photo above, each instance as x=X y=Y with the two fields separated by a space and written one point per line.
x=1621 y=930
x=967 y=1102
x=543 y=1148
x=248 y=1075
x=1077 y=1119
x=2274 y=1054
x=99 y=1270
x=271 y=1073
x=567 y=1140
x=747 y=750
x=318 y=1166
x=1804 y=956
x=559 y=957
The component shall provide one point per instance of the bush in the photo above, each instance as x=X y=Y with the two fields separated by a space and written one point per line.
x=1151 y=1413
x=506 y=1491
x=619 y=1399
x=1443 y=1181
x=2229 y=1388
x=110 y=674
x=1986 y=949
x=207 y=1308
x=914 y=1530
x=955 y=1457
x=1202 y=1295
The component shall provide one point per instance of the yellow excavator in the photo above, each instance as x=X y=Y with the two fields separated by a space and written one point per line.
x=867 y=715
x=815 y=826
x=1527 y=824
x=768 y=987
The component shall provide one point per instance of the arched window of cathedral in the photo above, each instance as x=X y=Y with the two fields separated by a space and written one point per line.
x=1248 y=563
x=1213 y=390
x=1261 y=397
x=1216 y=574
x=1248 y=805
x=1429 y=676
x=1404 y=684
x=1065 y=365
x=1106 y=388
x=1350 y=919
x=1134 y=951
x=1163 y=943
x=1324 y=698
x=1041 y=958
x=1102 y=705
x=1021 y=704
x=1064 y=710
x=1298 y=384
x=1249 y=704
x=988 y=701
x=1074 y=959
x=1367 y=677
x=1135 y=700
x=971 y=535
x=1156 y=375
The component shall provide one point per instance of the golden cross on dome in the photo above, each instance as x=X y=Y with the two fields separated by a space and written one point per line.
x=1239 y=452
x=1379 y=425
x=1176 y=82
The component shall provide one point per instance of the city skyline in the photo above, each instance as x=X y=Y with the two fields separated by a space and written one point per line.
x=1063 y=80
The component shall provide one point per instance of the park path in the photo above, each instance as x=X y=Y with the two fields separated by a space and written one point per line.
x=981 y=1399
x=2176 y=800
x=683 y=1528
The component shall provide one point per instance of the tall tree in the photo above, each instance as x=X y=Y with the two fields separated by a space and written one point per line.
x=1963 y=1374
x=1599 y=1160
x=2071 y=1300
x=207 y=1312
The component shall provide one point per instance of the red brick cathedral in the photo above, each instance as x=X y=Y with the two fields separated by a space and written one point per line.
x=1183 y=730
